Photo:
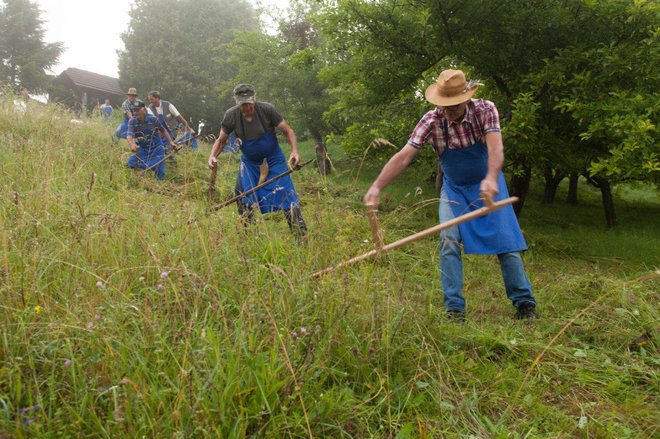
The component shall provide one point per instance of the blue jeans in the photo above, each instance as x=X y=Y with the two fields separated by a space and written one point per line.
x=518 y=287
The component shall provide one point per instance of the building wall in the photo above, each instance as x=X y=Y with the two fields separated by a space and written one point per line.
x=65 y=92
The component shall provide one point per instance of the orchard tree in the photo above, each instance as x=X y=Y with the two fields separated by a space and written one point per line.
x=25 y=56
x=385 y=50
x=611 y=93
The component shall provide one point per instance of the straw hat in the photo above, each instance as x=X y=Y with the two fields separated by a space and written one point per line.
x=451 y=88
x=132 y=91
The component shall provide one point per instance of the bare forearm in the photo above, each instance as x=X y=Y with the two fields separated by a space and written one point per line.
x=392 y=169
x=167 y=136
x=495 y=154
x=132 y=144
x=218 y=146
x=293 y=141
x=184 y=122
x=495 y=162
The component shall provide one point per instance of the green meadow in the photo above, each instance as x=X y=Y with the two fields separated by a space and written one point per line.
x=127 y=309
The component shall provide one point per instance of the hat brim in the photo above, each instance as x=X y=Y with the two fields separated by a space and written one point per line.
x=431 y=94
x=246 y=99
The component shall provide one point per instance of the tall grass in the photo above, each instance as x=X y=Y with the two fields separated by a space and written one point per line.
x=128 y=310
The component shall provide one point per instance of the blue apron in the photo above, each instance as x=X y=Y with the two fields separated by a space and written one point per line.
x=463 y=170
x=280 y=194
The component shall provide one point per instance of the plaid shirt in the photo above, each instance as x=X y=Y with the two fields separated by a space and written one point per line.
x=126 y=106
x=480 y=117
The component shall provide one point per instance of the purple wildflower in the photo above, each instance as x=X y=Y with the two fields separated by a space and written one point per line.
x=27 y=422
x=28 y=409
x=68 y=363
x=165 y=275
x=90 y=325
x=160 y=287
x=303 y=330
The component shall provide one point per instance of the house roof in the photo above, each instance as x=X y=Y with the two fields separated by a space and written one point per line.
x=94 y=81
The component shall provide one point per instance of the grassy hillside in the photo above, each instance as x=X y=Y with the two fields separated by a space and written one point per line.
x=129 y=311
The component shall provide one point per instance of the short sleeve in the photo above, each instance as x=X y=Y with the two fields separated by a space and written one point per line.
x=489 y=118
x=174 y=111
x=421 y=132
x=132 y=122
x=228 y=123
x=273 y=117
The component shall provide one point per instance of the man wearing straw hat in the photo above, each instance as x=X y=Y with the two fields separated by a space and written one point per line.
x=126 y=107
x=465 y=134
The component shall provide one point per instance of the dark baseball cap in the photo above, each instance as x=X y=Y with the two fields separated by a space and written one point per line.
x=244 y=93
x=137 y=104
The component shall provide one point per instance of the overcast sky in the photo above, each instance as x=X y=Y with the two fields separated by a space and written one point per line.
x=91 y=31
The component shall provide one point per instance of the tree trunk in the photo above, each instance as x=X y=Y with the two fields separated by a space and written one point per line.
x=572 y=197
x=552 y=180
x=519 y=185
x=322 y=161
x=608 y=202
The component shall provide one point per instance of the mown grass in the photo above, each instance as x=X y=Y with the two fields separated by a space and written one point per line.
x=128 y=311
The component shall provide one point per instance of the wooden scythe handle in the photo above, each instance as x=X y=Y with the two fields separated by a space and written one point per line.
x=423 y=234
x=372 y=209
x=214 y=174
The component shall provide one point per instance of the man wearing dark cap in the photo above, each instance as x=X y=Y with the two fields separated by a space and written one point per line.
x=144 y=134
x=126 y=107
x=465 y=134
x=254 y=123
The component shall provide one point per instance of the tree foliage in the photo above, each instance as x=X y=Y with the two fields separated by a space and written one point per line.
x=284 y=68
x=25 y=56
x=556 y=70
x=177 y=48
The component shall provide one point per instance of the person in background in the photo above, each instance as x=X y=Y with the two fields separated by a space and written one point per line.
x=168 y=116
x=254 y=123
x=127 y=108
x=144 y=134
x=106 y=110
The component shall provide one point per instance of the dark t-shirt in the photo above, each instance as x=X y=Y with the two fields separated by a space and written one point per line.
x=269 y=115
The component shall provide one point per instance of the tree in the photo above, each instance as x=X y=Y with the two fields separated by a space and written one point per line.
x=178 y=48
x=609 y=90
x=25 y=56
x=389 y=49
x=284 y=69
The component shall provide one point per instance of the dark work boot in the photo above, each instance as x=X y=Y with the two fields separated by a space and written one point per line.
x=296 y=222
x=526 y=310
x=455 y=315
x=246 y=213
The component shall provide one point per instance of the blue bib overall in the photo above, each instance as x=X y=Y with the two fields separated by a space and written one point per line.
x=150 y=149
x=280 y=194
x=463 y=170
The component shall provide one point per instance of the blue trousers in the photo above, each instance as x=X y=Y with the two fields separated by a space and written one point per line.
x=517 y=285
x=146 y=158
